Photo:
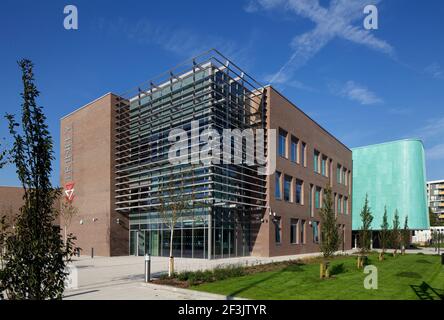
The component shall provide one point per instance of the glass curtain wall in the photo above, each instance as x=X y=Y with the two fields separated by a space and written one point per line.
x=217 y=200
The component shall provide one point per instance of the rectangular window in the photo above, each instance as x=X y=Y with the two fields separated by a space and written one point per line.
x=277 y=228
x=343 y=175
x=303 y=154
x=294 y=231
x=324 y=166
x=287 y=188
x=310 y=200
x=302 y=235
x=339 y=204
x=345 y=205
x=338 y=173
x=282 y=143
x=299 y=191
x=277 y=187
x=318 y=197
x=316 y=161
x=315 y=232
x=294 y=149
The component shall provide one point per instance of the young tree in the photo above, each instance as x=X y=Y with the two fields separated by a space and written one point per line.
x=405 y=235
x=395 y=237
x=384 y=234
x=330 y=238
x=67 y=213
x=365 y=230
x=36 y=256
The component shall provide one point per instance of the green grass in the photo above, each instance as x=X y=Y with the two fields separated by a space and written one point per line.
x=404 y=277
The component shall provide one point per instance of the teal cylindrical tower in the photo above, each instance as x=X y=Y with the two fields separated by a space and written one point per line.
x=392 y=174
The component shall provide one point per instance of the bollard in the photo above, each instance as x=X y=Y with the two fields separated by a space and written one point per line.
x=92 y=253
x=147 y=268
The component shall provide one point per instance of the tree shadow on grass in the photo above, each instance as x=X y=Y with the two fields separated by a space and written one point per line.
x=426 y=292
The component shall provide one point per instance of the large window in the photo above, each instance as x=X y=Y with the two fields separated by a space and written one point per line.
x=318 y=197
x=316 y=161
x=339 y=205
x=345 y=205
x=277 y=185
x=294 y=231
x=294 y=149
x=299 y=192
x=277 y=228
x=338 y=173
x=287 y=188
x=303 y=154
x=302 y=234
x=310 y=200
x=315 y=232
x=282 y=143
x=324 y=166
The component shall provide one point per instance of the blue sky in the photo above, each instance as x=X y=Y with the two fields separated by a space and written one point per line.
x=363 y=86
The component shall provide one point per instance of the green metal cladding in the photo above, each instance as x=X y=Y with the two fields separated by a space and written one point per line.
x=393 y=175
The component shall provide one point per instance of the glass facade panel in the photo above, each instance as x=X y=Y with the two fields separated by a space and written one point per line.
x=287 y=188
x=282 y=143
x=277 y=186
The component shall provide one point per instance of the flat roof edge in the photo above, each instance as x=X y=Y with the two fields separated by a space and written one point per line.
x=389 y=142
x=86 y=105
x=314 y=121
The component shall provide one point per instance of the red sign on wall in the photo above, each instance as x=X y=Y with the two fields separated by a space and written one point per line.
x=69 y=191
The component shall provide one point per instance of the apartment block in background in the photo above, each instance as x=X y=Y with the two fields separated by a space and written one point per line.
x=435 y=194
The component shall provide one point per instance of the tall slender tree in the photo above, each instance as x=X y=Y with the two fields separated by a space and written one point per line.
x=36 y=255
x=395 y=234
x=330 y=238
x=384 y=234
x=405 y=235
x=365 y=230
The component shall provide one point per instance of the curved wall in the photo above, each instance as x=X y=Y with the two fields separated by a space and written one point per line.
x=393 y=175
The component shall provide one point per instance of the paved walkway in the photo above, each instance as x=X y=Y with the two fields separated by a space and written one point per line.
x=123 y=277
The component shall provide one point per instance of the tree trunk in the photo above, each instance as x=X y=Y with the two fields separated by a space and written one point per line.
x=323 y=270
x=171 y=259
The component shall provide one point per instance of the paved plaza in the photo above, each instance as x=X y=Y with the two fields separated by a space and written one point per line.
x=123 y=277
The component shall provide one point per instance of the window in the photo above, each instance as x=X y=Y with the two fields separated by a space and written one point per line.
x=287 y=188
x=294 y=231
x=343 y=175
x=282 y=143
x=294 y=150
x=316 y=161
x=303 y=154
x=277 y=187
x=339 y=204
x=310 y=200
x=299 y=190
x=277 y=228
x=345 y=205
x=324 y=166
x=302 y=235
x=338 y=173
x=318 y=197
x=315 y=232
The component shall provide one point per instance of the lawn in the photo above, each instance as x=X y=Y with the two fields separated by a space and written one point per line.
x=408 y=277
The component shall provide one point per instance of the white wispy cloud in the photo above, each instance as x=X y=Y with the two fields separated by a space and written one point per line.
x=330 y=23
x=434 y=128
x=355 y=92
x=435 y=71
x=177 y=40
x=436 y=152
